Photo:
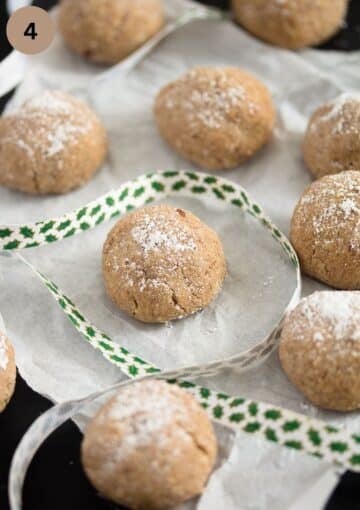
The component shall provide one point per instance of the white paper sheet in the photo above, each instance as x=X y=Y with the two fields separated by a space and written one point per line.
x=52 y=357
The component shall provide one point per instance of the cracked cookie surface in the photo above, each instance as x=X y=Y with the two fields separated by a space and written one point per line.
x=217 y=118
x=332 y=139
x=162 y=263
x=320 y=349
x=150 y=447
x=325 y=230
x=52 y=144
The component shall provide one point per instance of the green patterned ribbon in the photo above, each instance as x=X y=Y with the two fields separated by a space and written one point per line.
x=130 y=195
x=279 y=426
x=133 y=194
x=273 y=424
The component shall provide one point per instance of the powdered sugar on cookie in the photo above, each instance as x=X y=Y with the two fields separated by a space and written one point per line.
x=49 y=102
x=159 y=232
x=146 y=413
x=343 y=113
x=334 y=207
x=162 y=263
x=339 y=312
x=47 y=123
x=210 y=101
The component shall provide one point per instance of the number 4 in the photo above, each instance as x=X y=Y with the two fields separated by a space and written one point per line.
x=31 y=31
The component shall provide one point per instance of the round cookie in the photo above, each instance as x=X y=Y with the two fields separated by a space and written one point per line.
x=106 y=31
x=52 y=144
x=7 y=371
x=215 y=117
x=325 y=230
x=150 y=447
x=292 y=24
x=161 y=263
x=332 y=139
x=320 y=349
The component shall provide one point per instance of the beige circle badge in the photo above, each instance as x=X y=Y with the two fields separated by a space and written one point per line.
x=30 y=30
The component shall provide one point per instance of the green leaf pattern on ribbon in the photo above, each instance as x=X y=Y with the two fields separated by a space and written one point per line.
x=130 y=195
x=277 y=425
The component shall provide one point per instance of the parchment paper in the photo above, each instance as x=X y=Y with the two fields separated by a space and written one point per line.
x=52 y=357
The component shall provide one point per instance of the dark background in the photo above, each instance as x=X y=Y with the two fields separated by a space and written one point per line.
x=55 y=479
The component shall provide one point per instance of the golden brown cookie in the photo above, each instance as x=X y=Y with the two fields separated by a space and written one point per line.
x=325 y=230
x=215 y=117
x=150 y=447
x=7 y=371
x=106 y=31
x=52 y=144
x=291 y=24
x=332 y=139
x=320 y=349
x=161 y=263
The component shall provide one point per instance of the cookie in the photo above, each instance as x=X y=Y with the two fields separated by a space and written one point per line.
x=107 y=31
x=320 y=349
x=7 y=371
x=51 y=145
x=217 y=118
x=325 y=230
x=151 y=447
x=332 y=139
x=292 y=24
x=162 y=263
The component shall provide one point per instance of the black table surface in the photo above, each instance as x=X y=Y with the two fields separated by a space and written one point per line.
x=55 y=480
